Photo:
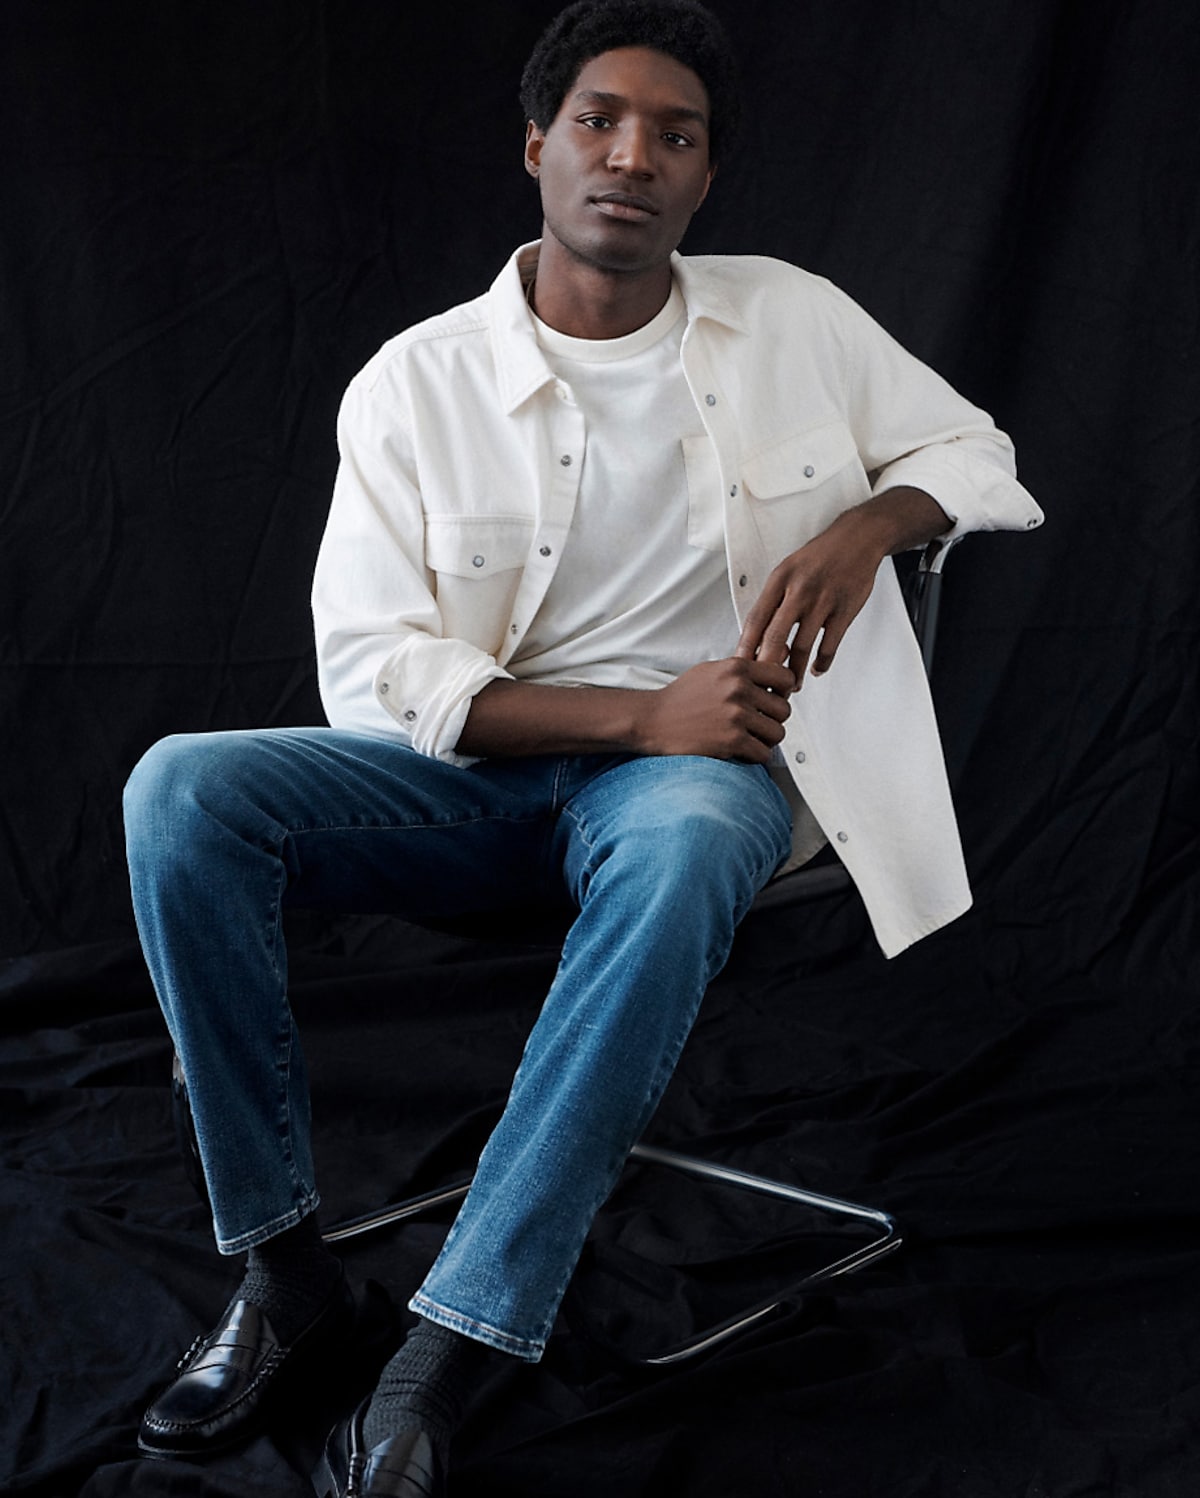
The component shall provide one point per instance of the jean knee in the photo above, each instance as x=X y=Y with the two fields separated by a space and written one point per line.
x=168 y=788
x=738 y=815
x=156 y=779
x=696 y=835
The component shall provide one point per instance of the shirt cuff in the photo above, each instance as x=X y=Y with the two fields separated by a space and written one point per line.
x=429 y=691
x=976 y=490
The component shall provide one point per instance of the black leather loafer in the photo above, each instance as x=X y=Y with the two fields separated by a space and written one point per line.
x=403 y=1466
x=226 y=1377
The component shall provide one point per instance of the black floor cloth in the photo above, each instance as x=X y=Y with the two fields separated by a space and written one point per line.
x=1036 y=1335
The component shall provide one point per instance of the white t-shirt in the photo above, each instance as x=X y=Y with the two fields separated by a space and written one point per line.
x=634 y=601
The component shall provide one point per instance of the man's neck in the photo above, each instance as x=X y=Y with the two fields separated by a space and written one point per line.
x=586 y=301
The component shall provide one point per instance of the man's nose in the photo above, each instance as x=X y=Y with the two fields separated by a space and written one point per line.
x=632 y=150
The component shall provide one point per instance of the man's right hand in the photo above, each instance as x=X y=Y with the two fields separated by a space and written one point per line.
x=726 y=709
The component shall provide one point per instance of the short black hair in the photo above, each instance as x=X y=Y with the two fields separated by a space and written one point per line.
x=682 y=29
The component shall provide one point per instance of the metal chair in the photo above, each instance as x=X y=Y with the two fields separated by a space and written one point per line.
x=922 y=589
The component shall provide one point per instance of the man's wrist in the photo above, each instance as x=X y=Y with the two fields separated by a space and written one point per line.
x=900 y=519
x=510 y=717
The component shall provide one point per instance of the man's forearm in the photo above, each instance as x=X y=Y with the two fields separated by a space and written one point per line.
x=522 y=717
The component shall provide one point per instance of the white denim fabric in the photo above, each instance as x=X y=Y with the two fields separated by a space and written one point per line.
x=459 y=472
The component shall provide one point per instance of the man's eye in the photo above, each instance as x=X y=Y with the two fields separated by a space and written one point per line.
x=676 y=138
x=595 y=121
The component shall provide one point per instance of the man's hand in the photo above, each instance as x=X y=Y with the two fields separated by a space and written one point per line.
x=819 y=589
x=728 y=709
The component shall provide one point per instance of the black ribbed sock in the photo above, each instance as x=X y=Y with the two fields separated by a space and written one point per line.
x=290 y=1277
x=427 y=1384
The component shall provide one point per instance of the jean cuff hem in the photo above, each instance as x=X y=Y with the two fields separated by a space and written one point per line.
x=479 y=1331
x=272 y=1229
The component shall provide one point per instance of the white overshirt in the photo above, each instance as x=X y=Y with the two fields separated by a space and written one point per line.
x=459 y=474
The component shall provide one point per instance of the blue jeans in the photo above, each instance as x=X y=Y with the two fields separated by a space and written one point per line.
x=662 y=857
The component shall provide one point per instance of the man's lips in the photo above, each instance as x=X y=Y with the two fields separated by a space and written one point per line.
x=625 y=205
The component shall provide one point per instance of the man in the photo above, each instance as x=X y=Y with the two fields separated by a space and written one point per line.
x=605 y=617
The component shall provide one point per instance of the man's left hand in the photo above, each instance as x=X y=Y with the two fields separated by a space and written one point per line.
x=818 y=590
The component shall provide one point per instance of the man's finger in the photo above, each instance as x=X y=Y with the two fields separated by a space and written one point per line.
x=762 y=611
x=802 y=647
x=774 y=643
x=774 y=675
x=766 y=729
x=773 y=705
x=831 y=638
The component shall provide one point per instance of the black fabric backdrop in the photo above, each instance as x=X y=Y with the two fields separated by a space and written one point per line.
x=212 y=215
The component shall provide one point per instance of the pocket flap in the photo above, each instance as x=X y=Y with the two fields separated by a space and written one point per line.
x=801 y=461
x=476 y=545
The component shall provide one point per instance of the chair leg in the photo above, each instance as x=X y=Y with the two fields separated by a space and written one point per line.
x=886 y=1241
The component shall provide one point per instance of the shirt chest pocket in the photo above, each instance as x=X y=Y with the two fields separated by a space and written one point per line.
x=477 y=562
x=800 y=485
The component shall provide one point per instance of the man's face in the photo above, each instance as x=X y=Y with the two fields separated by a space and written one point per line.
x=624 y=164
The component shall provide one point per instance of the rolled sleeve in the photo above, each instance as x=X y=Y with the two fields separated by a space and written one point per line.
x=914 y=429
x=972 y=478
x=427 y=687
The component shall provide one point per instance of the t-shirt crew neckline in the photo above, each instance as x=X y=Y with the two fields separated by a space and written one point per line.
x=608 y=350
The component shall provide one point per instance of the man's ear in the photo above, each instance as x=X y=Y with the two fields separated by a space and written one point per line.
x=708 y=182
x=534 y=140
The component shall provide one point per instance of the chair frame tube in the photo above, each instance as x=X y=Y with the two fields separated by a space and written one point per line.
x=886 y=1242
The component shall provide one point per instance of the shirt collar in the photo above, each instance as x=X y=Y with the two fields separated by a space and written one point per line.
x=521 y=366
x=702 y=281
